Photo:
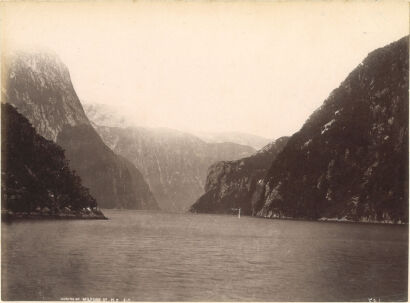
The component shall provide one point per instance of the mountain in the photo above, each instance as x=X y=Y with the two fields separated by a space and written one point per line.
x=173 y=163
x=39 y=86
x=349 y=161
x=255 y=141
x=231 y=184
x=117 y=182
x=35 y=177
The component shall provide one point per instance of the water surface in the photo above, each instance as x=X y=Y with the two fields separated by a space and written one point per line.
x=154 y=256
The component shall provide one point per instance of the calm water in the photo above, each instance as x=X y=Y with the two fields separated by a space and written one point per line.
x=186 y=257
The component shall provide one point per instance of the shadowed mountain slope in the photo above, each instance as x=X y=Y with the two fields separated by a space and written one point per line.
x=35 y=177
x=349 y=161
x=173 y=163
x=39 y=86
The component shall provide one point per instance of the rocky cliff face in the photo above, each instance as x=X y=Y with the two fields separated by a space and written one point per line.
x=39 y=86
x=232 y=184
x=173 y=163
x=35 y=177
x=350 y=159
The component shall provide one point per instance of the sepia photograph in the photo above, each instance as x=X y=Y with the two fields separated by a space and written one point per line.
x=205 y=151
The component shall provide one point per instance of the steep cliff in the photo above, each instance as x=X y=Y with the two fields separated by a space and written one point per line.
x=39 y=86
x=173 y=163
x=35 y=177
x=350 y=159
x=119 y=183
x=232 y=184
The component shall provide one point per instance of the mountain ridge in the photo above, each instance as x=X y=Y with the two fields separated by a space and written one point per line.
x=106 y=115
x=349 y=161
x=39 y=86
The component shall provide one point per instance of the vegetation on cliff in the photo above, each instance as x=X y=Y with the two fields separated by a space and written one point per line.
x=40 y=88
x=233 y=184
x=36 y=178
x=350 y=159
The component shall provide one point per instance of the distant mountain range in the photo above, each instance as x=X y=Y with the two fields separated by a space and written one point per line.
x=39 y=86
x=106 y=115
x=349 y=161
x=174 y=163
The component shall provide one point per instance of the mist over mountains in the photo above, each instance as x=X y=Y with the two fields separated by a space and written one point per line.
x=39 y=86
x=255 y=141
x=204 y=151
x=349 y=161
x=174 y=163
x=115 y=116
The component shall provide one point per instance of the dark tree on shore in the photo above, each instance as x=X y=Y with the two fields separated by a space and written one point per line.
x=35 y=172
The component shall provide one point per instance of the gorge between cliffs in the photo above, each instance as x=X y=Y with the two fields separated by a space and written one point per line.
x=214 y=151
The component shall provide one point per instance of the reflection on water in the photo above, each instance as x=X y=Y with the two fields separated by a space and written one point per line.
x=152 y=256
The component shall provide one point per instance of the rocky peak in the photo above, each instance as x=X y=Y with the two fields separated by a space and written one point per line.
x=39 y=86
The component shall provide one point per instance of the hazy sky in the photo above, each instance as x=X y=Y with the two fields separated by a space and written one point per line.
x=257 y=67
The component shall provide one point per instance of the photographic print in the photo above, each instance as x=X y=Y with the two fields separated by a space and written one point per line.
x=209 y=151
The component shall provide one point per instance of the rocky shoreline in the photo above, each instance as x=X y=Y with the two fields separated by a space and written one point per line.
x=63 y=215
x=337 y=220
x=362 y=220
x=323 y=219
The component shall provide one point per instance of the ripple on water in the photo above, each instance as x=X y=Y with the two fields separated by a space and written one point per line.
x=155 y=256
